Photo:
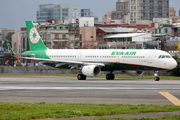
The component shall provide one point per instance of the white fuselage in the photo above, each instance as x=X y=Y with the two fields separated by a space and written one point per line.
x=134 y=59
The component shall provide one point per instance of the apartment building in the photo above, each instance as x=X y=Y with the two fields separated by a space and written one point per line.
x=149 y=9
x=19 y=41
x=172 y=12
x=56 y=11
x=122 y=9
x=86 y=13
x=172 y=15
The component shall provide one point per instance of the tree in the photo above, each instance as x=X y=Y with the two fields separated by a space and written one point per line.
x=5 y=44
x=9 y=58
x=175 y=71
x=9 y=36
x=8 y=40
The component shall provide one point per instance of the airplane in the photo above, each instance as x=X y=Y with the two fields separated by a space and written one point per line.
x=90 y=62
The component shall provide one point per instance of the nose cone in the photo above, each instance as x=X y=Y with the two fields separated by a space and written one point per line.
x=172 y=64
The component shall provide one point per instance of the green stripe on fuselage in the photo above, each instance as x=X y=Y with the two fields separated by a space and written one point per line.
x=115 y=67
x=124 y=66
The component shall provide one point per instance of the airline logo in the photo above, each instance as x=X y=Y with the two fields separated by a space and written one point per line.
x=123 y=53
x=34 y=35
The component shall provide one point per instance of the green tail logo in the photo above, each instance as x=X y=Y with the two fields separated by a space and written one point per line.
x=10 y=49
x=34 y=39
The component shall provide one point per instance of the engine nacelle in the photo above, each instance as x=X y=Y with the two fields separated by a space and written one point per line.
x=134 y=73
x=91 y=70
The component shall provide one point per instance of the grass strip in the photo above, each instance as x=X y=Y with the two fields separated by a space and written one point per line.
x=120 y=76
x=16 y=111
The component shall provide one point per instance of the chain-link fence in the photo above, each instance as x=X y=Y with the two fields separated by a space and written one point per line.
x=33 y=70
x=51 y=70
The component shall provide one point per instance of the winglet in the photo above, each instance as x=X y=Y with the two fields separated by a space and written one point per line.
x=10 y=49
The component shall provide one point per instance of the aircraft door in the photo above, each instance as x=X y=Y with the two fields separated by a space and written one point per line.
x=119 y=58
x=150 y=57
x=79 y=56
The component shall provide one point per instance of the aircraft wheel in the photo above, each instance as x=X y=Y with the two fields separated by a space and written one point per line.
x=81 y=77
x=84 y=77
x=156 y=78
x=110 y=76
x=107 y=76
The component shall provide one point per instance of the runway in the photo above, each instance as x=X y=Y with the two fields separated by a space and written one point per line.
x=58 y=89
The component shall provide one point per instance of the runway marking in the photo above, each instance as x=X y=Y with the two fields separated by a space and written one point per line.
x=78 y=88
x=171 y=98
x=72 y=88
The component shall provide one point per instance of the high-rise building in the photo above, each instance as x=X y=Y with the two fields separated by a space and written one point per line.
x=149 y=9
x=56 y=11
x=172 y=12
x=107 y=17
x=122 y=9
x=86 y=13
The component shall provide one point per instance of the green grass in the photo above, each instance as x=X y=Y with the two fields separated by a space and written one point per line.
x=118 y=76
x=148 y=77
x=16 y=111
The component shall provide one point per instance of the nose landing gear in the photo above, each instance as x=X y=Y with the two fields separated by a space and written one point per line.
x=156 y=78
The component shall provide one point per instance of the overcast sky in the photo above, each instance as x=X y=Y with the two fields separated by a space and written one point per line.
x=14 y=13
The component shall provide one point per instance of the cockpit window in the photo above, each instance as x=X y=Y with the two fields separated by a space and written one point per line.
x=168 y=56
x=160 y=56
x=164 y=56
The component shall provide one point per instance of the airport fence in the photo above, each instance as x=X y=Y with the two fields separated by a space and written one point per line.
x=33 y=70
x=51 y=70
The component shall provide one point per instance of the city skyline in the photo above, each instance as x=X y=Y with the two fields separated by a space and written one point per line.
x=15 y=13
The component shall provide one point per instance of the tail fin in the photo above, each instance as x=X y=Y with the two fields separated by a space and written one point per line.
x=34 y=39
x=10 y=49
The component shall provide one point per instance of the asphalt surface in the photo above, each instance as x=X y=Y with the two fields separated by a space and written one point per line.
x=58 y=89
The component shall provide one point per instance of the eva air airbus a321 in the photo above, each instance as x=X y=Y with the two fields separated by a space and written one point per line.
x=90 y=62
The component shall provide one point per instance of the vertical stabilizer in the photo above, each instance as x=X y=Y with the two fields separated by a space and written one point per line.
x=10 y=49
x=34 y=39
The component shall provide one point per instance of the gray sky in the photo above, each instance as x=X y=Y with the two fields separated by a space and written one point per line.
x=14 y=13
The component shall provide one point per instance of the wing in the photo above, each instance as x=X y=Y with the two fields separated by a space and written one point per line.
x=61 y=62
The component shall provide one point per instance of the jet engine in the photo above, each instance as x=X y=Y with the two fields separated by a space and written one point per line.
x=134 y=73
x=91 y=70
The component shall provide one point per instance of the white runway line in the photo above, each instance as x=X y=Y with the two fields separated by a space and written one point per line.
x=80 y=88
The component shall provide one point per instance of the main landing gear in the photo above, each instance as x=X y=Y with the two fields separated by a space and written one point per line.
x=81 y=77
x=156 y=78
x=110 y=76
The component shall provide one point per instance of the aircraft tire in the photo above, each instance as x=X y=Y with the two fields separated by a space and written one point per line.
x=110 y=76
x=84 y=77
x=107 y=76
x=81 y=77
x=156 y=78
